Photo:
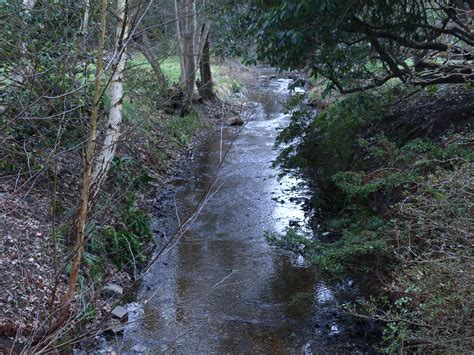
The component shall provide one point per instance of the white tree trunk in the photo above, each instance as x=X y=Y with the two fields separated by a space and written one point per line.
x=28 y=4
x=112 y=134
x=85 y=18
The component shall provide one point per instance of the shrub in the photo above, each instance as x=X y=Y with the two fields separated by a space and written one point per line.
x=323 y=144
x=400 y=210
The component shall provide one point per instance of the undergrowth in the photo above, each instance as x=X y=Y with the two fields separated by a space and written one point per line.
x=397 y=212
x=124 y=243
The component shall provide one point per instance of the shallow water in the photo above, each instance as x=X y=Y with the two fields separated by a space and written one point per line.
x=222 y=288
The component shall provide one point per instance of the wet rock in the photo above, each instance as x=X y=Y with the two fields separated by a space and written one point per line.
x=120 y=313
x=334 y=330
x=112 y=290
x=306 y=350
x=235 y=121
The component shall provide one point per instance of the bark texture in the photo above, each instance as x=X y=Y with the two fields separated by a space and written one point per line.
x=189 y=53
x=85 y=18
x=112 y=134
x=206 y=87
x=86 y=179
x=145 y=48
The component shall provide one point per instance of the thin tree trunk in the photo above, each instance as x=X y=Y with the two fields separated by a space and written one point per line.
x=112 y=134
x=205 y=29
x=189 y=54
x=86 y=178
x=179 y=36
x=196 y=34
x=144 y=47
x=206 y=90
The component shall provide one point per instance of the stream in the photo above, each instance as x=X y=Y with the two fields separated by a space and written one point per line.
x=222 y=288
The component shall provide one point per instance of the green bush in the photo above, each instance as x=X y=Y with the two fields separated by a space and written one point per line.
x=323 y=143
x=428 y=304
x=181 y=129
x=123 y=243
x=400 y=211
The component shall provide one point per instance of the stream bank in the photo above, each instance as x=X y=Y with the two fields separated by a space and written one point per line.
x=222 y=288
x=154 y=144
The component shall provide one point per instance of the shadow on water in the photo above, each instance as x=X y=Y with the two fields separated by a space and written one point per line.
x=222 y=288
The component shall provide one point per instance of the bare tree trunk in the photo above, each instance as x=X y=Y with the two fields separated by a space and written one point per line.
x=112 y=133
x=189 y=54
x=85 y=18
x=144 y=47
x=204 y=33
x=196 y=33
x=206 y=90
x=179 y=36
x=86 y=179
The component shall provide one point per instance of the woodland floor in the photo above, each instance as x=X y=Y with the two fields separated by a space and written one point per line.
x=27 y=263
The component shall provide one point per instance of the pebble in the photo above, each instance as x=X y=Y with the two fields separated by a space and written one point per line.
x=120 y=312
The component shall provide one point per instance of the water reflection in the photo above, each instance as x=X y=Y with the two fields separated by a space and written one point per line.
x=223 y=289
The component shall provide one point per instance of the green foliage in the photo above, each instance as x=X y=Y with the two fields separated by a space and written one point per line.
x=126 y=242
x=419 y=244
x=324 y=143
x=292 y=240
x=43 y=90
x=432 y=89
x=122 y=243
x=225 y=84
x=127 y=172
x=360 y=249
x=364 y=243
x=357 y=44
x=429 y=296
x=231 y=33
x=171 y=69
x=183 y=128
x=141 y=85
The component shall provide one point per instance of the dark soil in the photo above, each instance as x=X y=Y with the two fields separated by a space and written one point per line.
x=428 y=115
